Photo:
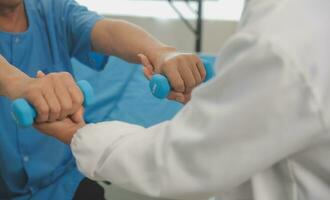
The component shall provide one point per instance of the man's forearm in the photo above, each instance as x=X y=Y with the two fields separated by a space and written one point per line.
x=119 y=38
x=125 y=40
x=8 y=76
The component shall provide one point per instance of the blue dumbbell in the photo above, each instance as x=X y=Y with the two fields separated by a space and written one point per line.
x=160 y=86
x=24 y=113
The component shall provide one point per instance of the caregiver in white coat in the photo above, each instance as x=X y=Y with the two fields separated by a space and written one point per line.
x=259 y=130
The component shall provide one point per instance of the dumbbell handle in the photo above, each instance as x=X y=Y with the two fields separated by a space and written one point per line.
x=25 y=114
x=160 y=86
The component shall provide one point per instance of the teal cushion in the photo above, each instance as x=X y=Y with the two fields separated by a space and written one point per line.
x=122 y=93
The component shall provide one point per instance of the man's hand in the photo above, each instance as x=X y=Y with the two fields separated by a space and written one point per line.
x=54 y=96
x=184 y=71
x=65 y=129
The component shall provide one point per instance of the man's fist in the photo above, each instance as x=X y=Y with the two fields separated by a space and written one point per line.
x=54 y=96
x=184 y=71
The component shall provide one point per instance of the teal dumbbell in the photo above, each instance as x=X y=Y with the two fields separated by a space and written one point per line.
x=160 y=86
x=25 y=114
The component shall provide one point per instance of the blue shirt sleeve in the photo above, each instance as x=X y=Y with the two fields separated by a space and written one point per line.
x=79 y=23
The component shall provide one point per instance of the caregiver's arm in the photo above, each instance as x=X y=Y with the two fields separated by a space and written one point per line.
x=256 y=112
x=132 y=43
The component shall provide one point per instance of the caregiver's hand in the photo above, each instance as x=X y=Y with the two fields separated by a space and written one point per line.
x=184 y=71
x=55 y=95
x=65 y=129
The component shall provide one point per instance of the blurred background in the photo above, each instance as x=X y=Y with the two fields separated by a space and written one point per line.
x=168 y=19
x=189 y=25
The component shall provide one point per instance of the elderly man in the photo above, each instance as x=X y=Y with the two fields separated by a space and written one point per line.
x=42 y=35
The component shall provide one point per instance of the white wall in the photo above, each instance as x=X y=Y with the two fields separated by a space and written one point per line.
x=161 y=20
x=174 y=32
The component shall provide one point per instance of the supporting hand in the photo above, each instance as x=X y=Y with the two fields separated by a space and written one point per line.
x=65 y=129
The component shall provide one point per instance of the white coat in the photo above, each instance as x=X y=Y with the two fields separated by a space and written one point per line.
x=259 y=130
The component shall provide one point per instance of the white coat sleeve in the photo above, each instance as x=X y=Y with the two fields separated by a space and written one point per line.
x=258 y=110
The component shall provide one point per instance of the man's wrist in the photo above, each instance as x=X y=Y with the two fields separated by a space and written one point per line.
x=155 y=54
x=12 y=85
x=10 y=76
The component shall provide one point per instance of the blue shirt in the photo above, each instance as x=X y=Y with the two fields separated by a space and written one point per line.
x=32 y=165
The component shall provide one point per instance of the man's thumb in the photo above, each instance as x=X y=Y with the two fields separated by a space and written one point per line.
x=40 y=74
x=78 y=117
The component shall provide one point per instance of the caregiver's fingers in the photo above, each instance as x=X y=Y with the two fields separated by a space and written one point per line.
x=148 y=69
x=179 y=97
x=62 y=130
x=147 y=73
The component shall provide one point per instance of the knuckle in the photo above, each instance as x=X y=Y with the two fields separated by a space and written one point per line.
x=181 y=58
x=67 y=106
x=66 y=75
x=190 y=84
x=43 y=110
x=178 y=86
x=198 y=80
x=171 y=62
x=51 y=76
x=55 y=110
x=165 y=69
x=35 y=89
x=77 y=101
x=166 y=66
x=31 y=95
x=195 y=58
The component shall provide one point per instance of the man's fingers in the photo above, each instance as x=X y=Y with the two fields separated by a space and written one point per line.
x=41 y=106
x=76 y=96
x=75 y=93
x=78 y=117
x=196 y=73
x=188 y=78
x=201 y=69
x=54 y=104
x=64 y=98
x=175 y=80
